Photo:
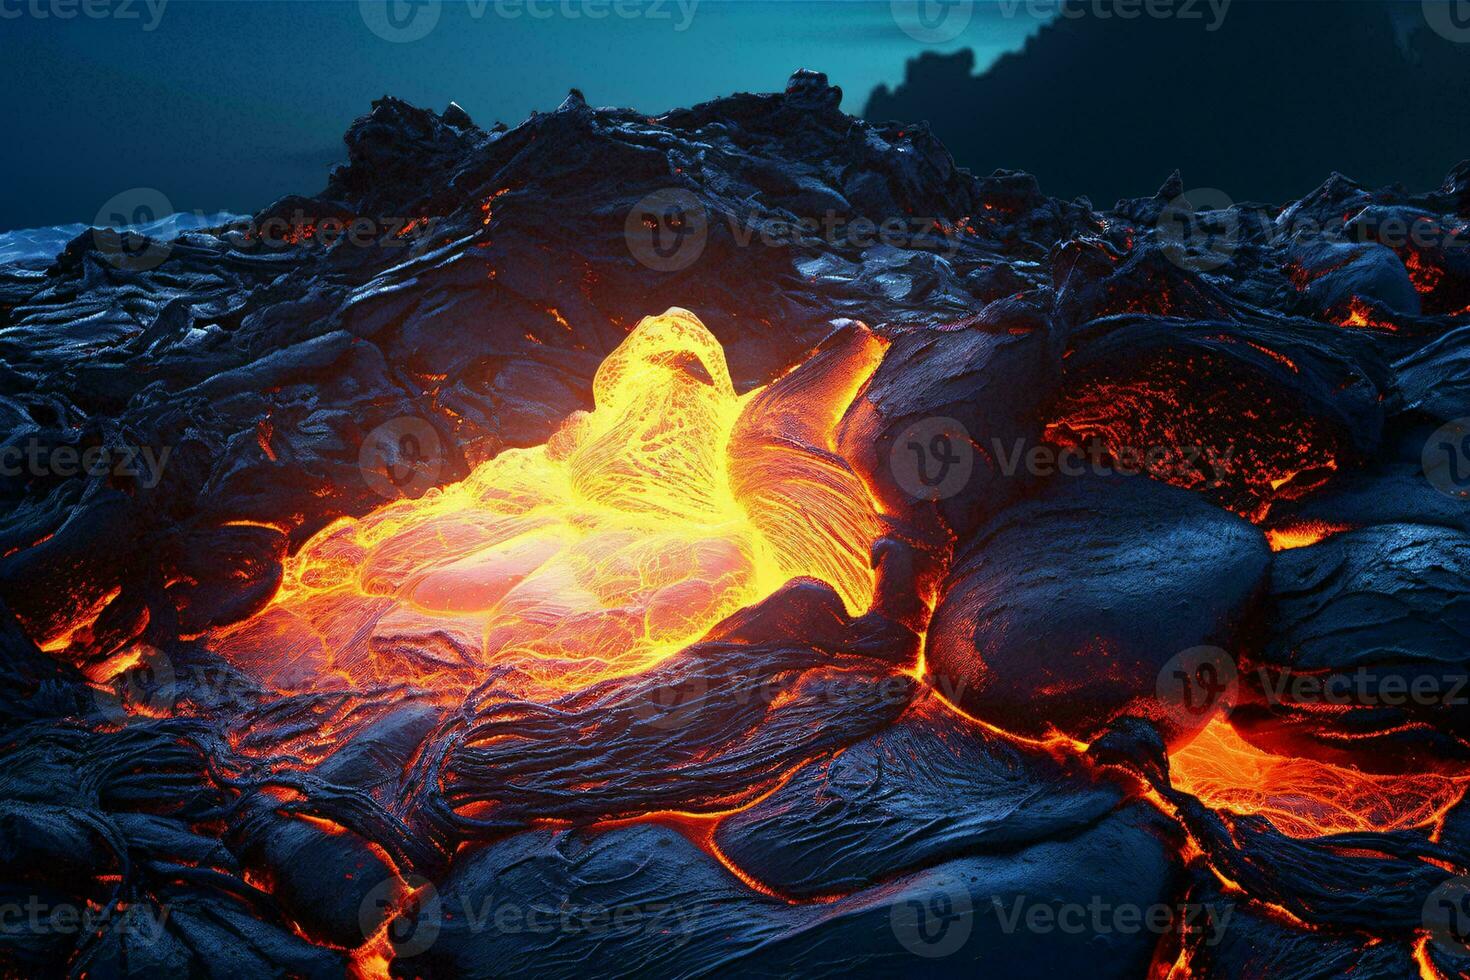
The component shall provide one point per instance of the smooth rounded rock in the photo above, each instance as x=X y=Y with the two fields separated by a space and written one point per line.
x=1064 y=609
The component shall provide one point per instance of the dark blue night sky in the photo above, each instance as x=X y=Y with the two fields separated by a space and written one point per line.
x=222 y=104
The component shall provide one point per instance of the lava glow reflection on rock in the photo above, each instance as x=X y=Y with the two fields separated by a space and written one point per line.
x=633 y=530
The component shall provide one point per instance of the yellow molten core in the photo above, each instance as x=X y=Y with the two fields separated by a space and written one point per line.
x=636 y=528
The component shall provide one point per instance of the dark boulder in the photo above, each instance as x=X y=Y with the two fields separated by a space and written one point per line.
x=1063 y=610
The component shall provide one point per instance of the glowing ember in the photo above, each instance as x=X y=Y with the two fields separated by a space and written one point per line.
x=1303 y=534
x=1360 y=314
x=633 y=530
x=1302 y=797
x=1232 y=437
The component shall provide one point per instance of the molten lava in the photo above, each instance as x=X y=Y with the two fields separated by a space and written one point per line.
x=1197 y=422
x=1303 y=534
x=1304 y=797
x=636 y=528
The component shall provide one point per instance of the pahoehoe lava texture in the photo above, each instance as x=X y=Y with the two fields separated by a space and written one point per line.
x=795 y=793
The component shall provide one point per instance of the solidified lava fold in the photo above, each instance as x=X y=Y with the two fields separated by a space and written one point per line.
x=496 y=578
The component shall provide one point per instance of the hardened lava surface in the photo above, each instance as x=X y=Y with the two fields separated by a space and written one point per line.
x=512 y=600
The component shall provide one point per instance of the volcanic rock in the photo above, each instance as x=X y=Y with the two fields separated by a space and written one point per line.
x=622 y=901
x=1064 y=609
x=1365 y=656
x=789 y=777
x=837 y=823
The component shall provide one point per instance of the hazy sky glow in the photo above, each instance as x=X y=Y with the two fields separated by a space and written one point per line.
x=228 y=104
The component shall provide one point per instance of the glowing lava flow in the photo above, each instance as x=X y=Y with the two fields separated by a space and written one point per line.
x=637 y=527
x=1303 y=797
x=1303 y=534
